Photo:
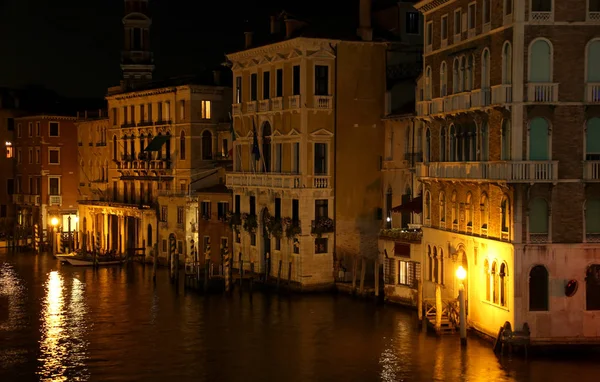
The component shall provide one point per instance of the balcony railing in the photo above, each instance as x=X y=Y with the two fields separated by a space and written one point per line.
x=323 y=102
x=591 y=170
x=592 y=92
x=264 y=180
x=461 y=101
x=294 y=101
x=437 y=105
x=321 y=182
x=541 y=16
x=402 y=235
x=512 y=172
x=501 y=94
x=55 y=200
x=264 y=105
x=593 y=16
x=480 y=97
x=277 y=103
x=251 y=107
x=542 y=92
x=236 y=108
x=424 y=108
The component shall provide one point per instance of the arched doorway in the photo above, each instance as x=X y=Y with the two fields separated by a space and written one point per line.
x=206 y=145
x=266 y=241
x=266 y=146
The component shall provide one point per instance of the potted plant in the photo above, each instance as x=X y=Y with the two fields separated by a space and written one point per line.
x=292 y=228
x=321 y=225
x=234 y=220
x=275 y=227
x=250 y=223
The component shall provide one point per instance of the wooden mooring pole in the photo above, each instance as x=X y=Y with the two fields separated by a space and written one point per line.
x=289 y=279
x=363 y=272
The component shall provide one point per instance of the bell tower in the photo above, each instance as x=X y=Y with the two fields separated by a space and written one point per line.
x=137 y=62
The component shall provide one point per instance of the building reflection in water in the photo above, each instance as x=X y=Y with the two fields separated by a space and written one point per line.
x=62 y=347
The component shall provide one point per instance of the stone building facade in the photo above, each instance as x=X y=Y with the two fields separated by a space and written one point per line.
x=508 y=102
x=93 y=154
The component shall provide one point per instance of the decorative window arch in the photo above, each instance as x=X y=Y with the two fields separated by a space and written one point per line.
x=443 y=80
x=469 y=211
x=182 y=145
x=592 y=62
x=538 y=219
x=507 y=63
x=455 y=76
x=505 y=141
x=454 y=201
x=427 y=145
x=540 y=60
x=505 y=218
x=428 y=83
x=592 y=219
x=485 y=213
x=486 y=277
x=538 y=289
x=427 y=205
x=503 y=275
x=485 y=141
x=592 y=139
x=443 y=143
x=452 y=145
x=592 y=287
x=442 y=202
x=485 y=69
x=539 y=139
x=494 y=279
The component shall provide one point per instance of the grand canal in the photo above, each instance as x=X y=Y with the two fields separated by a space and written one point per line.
x=60 y=323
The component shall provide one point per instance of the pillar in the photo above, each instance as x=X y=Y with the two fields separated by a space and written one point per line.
x=438 y=307
x=105 y=231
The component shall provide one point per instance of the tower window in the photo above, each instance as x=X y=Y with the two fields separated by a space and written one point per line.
x=137 y=39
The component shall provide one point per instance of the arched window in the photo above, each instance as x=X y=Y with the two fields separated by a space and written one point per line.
x=430 y=263
x=538 y=219
x=443 y=80
x=593 y=63
x=485 y=142
x=427 y=205
x=485 y=69
x=507 y=63
x=505 y=211
x=452 y=143
x=149 y=235
x=592 y=220
x=539 y=140
x=463 y=74
x=503 y=283
x=538 y=289
x=427 y=145
x=115 y=148
x=441 y=255
x=436 y=268
x=442 y=209
x=182 y=145
x=495 y=277
x=443 y=144
x=471 y=142
x=486 y=277
x=469 y=211
x=428 y=83
x=455 y=76
x=592 y=139
x=505 y=142
x=469 y=80
x=592 y=287
x=454 y=201
x=540 y=61
x=206 y=145
x=485 y=213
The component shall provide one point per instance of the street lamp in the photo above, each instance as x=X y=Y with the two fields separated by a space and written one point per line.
x=54 y=223
x=461 y=274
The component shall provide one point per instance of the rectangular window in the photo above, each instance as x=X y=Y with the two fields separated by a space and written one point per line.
x=53 y=129
x=10 y=186
x=412 y=22
x=321 y=245
x=38 y=185
x=19 y=155
x=444 y=27
x=159 y=112
x=54 y=186
x=164 y=213
x=225 y=148
x=30 y=155
x=114 y=116
x=115 y=189
x=11 y=124
x=3 y=211
x=321 y=208
x=253 y=86
x=429 y=33
x=320 y=159
x=164 y=245
x=222 y=209
x=180 y=215
x=205 y=210
x=142 y=113
x=238 y=201
x=296 y=80
x=54 y=156
x=487 y=11
x=9 y=150
x=149 y=108
x=132 y=114
x=19 y=128
x=266 y=85
x=279 y=85
x=406 y=273
x=594 y=6
x=167 y=111
x=19 y=185
x=321 y=80
x=206 y=109
x=182 y=109
x=457 y=20
x=295 y=210
x=31 y=186
x=180 y=246
x=472 y=15
x=278 y=157
x=277 y=208
x=30 y=129
x=238 y=89
x=295 y=157
x=252 y=201
x=125 y=119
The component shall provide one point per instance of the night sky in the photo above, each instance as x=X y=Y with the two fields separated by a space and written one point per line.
x=73 y=46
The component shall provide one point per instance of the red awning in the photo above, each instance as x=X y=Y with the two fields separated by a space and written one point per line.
x=415 y=205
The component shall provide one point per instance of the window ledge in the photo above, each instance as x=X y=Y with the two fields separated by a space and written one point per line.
x=486 y=302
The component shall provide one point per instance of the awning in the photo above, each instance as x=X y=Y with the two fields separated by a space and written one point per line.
x=157 y=142
x=415 y=205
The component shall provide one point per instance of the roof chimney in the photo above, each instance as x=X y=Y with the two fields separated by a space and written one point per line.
x=364 y=29
x=217 y=77
x=248 y=36
x=274 y=25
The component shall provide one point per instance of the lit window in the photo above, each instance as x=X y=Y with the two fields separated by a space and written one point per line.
x=9 y=150
x=205 y=109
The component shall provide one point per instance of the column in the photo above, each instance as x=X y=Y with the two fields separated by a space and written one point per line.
x=105 y=231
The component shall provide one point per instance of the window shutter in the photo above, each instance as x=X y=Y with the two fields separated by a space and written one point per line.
x=464 y=22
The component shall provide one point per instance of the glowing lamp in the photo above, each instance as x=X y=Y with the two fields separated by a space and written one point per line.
x=54 y=222
x=461 y=273
x=389 y=219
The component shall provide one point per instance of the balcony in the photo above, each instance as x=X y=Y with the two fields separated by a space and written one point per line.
x=591 y=171
x=55 y=200
x=294 y=101
x=321 y=182
x=277 y=104
x=402 y=235
x=461 y=101
x=323 y=102
x=264 y=105
x=423 y=108
x=162 y=122
x=145 y=123
x=592 y=92
x=541 y=16
x=501 y=94
x=251 y=107
x=236 y=108
x=542 y=92
x=321 y=225
x=593 y=16
x=480 y=97
x=286 y=181
x=511 y=172
x=437 y=105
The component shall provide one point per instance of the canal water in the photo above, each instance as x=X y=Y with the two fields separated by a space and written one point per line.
x=59 y=323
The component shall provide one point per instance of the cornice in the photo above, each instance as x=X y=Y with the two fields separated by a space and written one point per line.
x=301 y=43
x=45 y=116
x=426 y=6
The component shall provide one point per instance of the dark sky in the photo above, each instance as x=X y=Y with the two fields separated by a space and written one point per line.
x=73 y=46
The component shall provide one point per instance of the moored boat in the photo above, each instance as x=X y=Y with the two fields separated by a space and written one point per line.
x=87 y=262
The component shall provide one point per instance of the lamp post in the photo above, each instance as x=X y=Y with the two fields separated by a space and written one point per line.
x=54 y=223
x=461 y=274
